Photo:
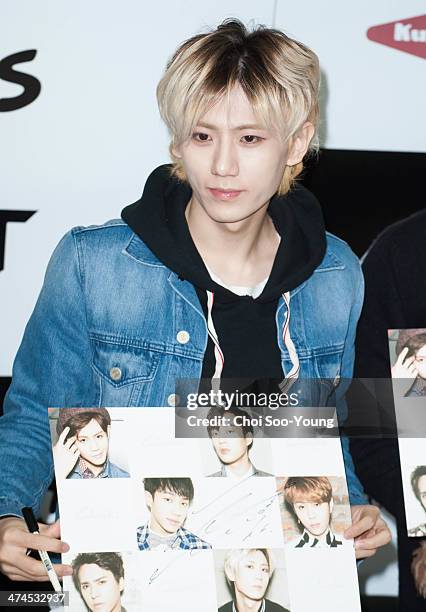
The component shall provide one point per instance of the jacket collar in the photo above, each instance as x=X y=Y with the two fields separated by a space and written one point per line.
x=137 y=249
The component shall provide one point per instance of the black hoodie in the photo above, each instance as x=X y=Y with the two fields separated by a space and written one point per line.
x=245 y=326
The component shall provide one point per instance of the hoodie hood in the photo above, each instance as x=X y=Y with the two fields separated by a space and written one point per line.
x=158 y=218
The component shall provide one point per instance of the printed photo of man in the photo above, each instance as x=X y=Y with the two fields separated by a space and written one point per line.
x=232 y=444
x=248 y=573
x=418 y=484
x=410 y=365
x=99 y=578
x=82 y=447
x=168 y=500
x=310 y=499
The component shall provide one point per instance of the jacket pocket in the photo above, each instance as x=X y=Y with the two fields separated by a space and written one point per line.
x=123 y=372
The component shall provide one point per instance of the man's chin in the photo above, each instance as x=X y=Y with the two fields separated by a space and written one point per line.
x=97 y=464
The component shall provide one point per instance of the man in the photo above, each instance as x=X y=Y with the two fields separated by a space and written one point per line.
x=99 y=578
x=129 y=307
x=168 y=500
x=82 y=448
x=311 y=501
x=418 y=484
x=248 y=573
x=232 y=444
x=394 y=269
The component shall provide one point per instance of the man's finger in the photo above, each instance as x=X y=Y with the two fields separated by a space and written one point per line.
x=360 y=553
x=70 y=441
x=33 y=569
x=380 y=537
x=402 y=355
x=360 y=527
x=38 y=542
x=51 y=531
x=63 y=435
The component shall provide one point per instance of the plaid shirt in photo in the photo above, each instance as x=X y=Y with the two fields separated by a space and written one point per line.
x=184 y=539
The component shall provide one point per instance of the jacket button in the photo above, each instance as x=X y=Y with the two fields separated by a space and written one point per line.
x=182 y=337
x=115 y=374
x=173 y=399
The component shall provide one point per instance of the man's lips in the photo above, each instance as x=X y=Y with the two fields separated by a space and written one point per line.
x=225 y=194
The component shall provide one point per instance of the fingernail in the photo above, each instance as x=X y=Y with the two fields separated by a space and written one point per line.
x=65 y=547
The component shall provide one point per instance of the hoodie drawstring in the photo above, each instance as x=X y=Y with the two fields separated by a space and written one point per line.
x=220 y=359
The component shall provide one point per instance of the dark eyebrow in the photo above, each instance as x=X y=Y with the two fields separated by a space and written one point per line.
x=247 y=126
x=97 y=580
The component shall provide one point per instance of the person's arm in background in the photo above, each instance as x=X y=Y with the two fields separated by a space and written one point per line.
x=52 y=368
x=394 y=299
x=377 y=457
x=368 y=528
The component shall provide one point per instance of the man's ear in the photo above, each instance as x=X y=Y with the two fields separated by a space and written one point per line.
x=149 y=500
x=299 y=144
x=175 y=150
x=108 y=430
x=331 y=504
x=249 y=439
x=121 y=584
x=230 y=574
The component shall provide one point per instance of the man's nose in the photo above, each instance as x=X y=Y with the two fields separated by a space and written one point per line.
x=225 y=158
x=177 y=509
x=312 y=512
x=94 y=591
x=93 y=444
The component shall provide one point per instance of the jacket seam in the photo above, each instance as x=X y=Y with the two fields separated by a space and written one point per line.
x=93 y=228
x=82 y=280
x=146 y=345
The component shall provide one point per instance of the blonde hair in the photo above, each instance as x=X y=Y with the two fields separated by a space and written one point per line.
x=235 y=556
x=309 y=488
x=279 y=76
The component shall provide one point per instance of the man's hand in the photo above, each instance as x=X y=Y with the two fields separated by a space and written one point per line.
x=368 y=529
x=65 y=454
x=15 y=539
x=405 y=370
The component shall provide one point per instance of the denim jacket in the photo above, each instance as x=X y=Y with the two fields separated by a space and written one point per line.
x=106 y=331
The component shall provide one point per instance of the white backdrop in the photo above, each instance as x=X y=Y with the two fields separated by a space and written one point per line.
x=83 y=148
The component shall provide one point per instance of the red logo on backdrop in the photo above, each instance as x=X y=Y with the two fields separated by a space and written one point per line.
x=407 y=35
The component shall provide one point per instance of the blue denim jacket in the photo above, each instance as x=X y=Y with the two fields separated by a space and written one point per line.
x=105 y=332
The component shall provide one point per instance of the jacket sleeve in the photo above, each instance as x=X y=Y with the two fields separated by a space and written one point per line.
x=356 y=491
x=52 y=368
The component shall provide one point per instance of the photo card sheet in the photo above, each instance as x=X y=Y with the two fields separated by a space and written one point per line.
x=217 y=522
x=407 y=349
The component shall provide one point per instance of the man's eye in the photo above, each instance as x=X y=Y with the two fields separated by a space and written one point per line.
x=251 y=139
x=200 y=137
x=100 y=436
x=84 y=587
